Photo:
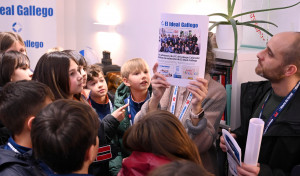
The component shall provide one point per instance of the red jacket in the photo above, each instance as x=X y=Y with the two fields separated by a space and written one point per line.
x=141 y=163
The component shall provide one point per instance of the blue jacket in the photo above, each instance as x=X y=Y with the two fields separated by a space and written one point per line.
x=12 y=163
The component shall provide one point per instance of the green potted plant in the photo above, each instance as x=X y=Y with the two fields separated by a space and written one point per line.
x=230 y=20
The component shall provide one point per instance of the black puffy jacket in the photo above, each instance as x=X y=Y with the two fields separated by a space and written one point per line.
x=107 y=151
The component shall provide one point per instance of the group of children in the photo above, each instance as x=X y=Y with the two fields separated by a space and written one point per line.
x=65 y=135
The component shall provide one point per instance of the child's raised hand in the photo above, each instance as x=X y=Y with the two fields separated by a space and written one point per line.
x=119 y=114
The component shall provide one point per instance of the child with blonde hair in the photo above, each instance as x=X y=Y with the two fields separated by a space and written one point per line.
x=134 y=90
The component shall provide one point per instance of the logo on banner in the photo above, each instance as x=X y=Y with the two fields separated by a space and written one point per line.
x=17 y=27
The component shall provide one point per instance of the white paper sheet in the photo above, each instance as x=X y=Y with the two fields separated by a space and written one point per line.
x=254 y=137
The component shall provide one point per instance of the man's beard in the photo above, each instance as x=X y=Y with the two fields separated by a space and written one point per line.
x=259 y=70
x=274 y=75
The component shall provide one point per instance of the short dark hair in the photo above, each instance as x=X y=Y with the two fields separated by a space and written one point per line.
x=52 y=69
x=180 y=168
x=292 y=54
x=93 y=71
x=20 y=100
x=62 y=133
x=7 y=39
x=161 y=133
x=9 y=61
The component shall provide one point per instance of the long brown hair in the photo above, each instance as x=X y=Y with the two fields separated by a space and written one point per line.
x=52 y=69
x=161 y=133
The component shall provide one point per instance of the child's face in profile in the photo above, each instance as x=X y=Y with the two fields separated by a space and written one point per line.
x=97 y=86
x=21 y=73
x=75 y=79
x=139 y=80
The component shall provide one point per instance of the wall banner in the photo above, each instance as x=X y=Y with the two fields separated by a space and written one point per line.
x=34 y=21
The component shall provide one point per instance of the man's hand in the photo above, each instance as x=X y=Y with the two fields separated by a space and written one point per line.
x=222 y=142
x=248 y=170
x=119 y=114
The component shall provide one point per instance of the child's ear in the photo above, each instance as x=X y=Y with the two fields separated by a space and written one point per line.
x=92 y=151
x=88 y=153
x=29 y=122
x=126 y=82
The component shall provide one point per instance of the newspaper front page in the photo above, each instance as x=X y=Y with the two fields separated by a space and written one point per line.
x=182 y=47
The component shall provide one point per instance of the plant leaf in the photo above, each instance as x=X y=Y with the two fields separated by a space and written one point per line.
x=264 y=10
x=215 y=21
x=216 y=24
x=233 y=23
x=232 y=8
x=258 y=27
x=220 y=14
x=257 y=21
x=229 y=7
